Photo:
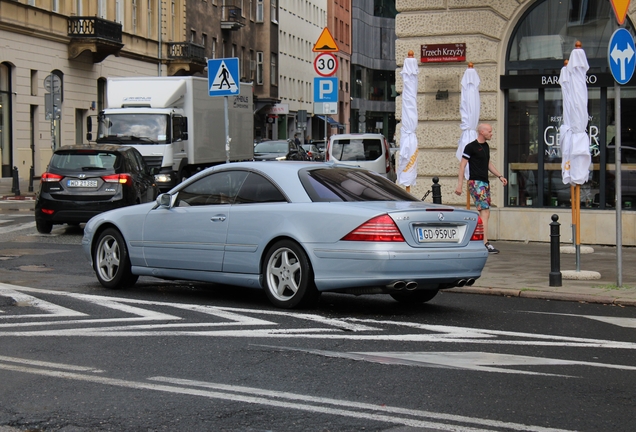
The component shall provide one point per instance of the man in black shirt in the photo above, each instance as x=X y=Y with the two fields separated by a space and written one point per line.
x=477 y=156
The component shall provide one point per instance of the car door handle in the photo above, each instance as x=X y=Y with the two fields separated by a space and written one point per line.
x=218 y=218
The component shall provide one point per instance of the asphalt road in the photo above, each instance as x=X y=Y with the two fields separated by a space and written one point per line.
x=167 y=356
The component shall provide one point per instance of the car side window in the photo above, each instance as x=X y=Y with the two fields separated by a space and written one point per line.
x=139 y=162
x=216 y=188
x=257 y=189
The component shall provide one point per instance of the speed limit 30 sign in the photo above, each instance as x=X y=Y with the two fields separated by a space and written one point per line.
x=326 y=64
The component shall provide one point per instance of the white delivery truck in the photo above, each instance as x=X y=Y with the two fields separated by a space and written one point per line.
x=175 y=124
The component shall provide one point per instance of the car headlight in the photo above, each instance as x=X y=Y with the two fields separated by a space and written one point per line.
x=163 y=178
x=281 y=158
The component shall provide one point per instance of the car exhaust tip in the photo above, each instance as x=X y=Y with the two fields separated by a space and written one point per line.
x=461 y=282
x=399 y=285
x=410 y=286
x=470 y=282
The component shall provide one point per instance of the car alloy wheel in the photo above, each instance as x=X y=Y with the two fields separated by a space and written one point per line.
x=288 y=276
x=111 y=262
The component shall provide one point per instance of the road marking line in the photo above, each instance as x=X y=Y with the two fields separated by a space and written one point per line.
x=5 y=230
x=344 y=408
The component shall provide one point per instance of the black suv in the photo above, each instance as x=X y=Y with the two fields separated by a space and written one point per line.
x=83 y=181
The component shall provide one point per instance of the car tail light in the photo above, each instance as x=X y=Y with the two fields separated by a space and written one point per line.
x=379 y=229
x=48 y=177
x=48 y=211
x=478 y=234
x=118 y=178
x=387 y=156
x=310 y=154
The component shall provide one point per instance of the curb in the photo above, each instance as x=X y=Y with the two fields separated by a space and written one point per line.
x=545 y=295
x=17 y=198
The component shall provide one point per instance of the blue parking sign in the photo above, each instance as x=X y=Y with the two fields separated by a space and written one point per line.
x=325 y=89
x=621 y=55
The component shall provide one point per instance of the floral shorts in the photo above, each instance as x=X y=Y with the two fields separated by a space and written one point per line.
x=480 y=191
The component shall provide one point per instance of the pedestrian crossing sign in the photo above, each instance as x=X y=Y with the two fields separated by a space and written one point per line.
x=223 y=77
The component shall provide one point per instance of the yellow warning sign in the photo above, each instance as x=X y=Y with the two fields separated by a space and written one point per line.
x=325 y=42
x=620 y=9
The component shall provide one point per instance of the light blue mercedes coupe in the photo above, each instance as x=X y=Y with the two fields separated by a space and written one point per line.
x=294 y=229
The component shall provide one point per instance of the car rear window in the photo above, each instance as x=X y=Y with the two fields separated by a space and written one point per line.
x=84 y=161
x=338 y=184
x=356 y=149
x=272 y=147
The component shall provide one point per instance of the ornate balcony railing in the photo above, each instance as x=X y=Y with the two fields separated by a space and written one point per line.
x=186 y=51
x=94 y=27
x=95 y=35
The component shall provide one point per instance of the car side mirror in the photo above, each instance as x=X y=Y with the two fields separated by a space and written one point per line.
x=166 y=200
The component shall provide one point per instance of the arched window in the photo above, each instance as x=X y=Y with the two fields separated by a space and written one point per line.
x=541 y=41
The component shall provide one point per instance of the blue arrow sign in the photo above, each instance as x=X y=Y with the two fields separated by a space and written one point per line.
x=325 y=89
x=621 y=54
x=223 y=77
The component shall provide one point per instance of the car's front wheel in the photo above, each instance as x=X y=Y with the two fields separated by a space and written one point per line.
x=419 y=296
x=111 y=261
x=288 y=277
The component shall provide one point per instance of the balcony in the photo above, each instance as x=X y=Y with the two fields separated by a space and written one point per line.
x=96 y=35
x=185 y=58
x=232 y=18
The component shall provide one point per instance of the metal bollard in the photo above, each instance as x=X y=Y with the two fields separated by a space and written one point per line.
x=31 y=176
x=15 y=188
x=555 y=257
x=437 y=191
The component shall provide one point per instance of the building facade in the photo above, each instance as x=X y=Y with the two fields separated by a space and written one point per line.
x=62 y=52
x=373 y=67
x=339 y=24
x=301 y=23
x=518 y=49
x=247 y=30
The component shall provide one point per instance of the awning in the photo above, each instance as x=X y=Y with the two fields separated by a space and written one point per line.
x=331 y=122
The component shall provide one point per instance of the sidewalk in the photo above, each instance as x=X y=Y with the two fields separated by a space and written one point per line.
x=519 y=270
x=523 y=270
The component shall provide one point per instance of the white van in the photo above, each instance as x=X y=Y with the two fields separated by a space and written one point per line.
x=366 y=150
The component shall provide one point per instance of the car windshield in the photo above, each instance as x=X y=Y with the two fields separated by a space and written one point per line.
x=272 y=147
x=357 y=149
x=84 y=160
x=337 y=184
x=137 y=128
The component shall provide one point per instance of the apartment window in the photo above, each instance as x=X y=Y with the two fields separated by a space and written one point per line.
x=101 y=8
x=213 y=48
x=259 y=11
x=251 y=9
x=78 y=7
x=134 y=16
x=273 y=70
x=193 y=36
x=119 y=12
x=274 y=11
x=204 y=40
x=173 y=20
x=149 y=18
x=55 y=6
x=259 y=68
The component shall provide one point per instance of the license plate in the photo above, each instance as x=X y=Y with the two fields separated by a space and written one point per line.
x=82 y=183
x=440 y=234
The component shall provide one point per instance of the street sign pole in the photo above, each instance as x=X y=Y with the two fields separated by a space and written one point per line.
x=619 y=194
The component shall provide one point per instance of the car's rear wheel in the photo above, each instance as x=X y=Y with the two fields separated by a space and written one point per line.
x=288 y=276
x=111 y=261
x=43 y=227
x=420 y=296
